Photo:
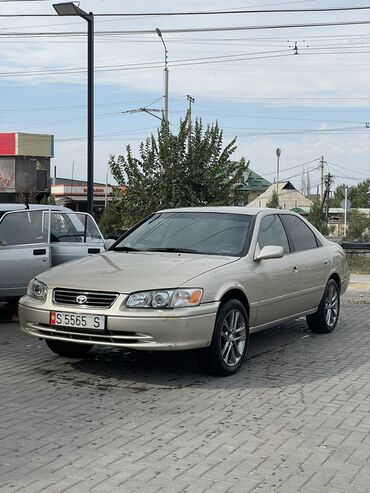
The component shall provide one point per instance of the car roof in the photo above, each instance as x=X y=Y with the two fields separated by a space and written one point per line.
x=22 y=207
x=250 y=211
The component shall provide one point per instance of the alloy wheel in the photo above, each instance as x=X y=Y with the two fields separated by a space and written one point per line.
x=233 y=337
x=331 y=306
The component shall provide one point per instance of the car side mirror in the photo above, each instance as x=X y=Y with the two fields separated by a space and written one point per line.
x=270 y=251
x=108 y=243
x=3 y=243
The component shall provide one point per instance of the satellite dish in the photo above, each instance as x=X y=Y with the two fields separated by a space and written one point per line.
x=343 y=203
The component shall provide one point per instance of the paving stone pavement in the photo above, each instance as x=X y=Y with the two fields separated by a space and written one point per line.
x=295 y=419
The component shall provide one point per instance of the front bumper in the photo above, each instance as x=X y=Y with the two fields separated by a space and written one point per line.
x=175 y=329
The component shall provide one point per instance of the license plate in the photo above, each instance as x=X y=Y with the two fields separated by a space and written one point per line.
x=77 y=320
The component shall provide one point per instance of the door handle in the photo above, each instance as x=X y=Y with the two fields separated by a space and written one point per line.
x=39 y=251
x=295 y=269
x=93 y=250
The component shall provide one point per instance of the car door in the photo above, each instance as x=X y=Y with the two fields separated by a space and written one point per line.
x=24 y=249
x=73 y=235
x=274 y=277
x=311 y=262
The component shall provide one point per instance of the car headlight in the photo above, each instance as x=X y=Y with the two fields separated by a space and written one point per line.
x=165 y=298
x=37 y=290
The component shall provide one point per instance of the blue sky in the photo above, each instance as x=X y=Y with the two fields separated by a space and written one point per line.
x=313 y=104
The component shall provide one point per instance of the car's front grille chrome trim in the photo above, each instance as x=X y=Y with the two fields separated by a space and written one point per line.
x=89 y=298
x=108 y=338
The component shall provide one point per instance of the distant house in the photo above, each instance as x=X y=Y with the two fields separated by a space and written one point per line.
x=251 y=186
x=289 y=197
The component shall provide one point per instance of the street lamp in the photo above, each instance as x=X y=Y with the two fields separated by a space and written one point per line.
x=278 y=153
x=165 y=78
x=70 y=9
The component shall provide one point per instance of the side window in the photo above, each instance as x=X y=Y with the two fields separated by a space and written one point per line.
x=73 y=227
x=23 y=228
x=302 y=236
x=272 y=233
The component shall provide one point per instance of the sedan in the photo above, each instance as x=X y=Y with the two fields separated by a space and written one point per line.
x=191 y=278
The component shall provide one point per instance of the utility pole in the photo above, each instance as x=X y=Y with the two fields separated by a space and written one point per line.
x=328 y=181
x=165 y=78
x=303 y=182
x=191 y=101
x=345 y=210
x=322 y=162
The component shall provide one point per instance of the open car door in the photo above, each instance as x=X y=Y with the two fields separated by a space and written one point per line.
x=73 y=235
x=24 y=249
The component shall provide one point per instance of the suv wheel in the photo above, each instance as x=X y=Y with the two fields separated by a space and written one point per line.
x=68 y=349
x=229 y=343
x=325 y=319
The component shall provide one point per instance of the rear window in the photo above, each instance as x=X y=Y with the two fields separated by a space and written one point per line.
x=300 y=234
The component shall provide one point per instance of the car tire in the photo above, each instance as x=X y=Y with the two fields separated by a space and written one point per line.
x=68 y=349
x=326 y=318
x=229 y=345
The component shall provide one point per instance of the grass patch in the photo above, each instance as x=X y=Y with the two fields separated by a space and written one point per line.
x=358 y=264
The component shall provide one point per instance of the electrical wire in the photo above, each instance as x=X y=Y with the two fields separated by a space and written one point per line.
x=292 y=167
x=200 y=29
x=208 y=12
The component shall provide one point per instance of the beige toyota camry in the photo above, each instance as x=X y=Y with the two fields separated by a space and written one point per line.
x=195 y=278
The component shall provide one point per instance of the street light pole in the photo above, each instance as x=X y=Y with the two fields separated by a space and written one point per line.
x=278 y=153
x=90 y=113
x=70 y=9
x=165 y=78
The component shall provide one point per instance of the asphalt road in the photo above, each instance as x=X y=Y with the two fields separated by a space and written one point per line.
x=296 y=417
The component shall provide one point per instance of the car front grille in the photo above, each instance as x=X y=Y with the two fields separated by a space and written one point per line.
x=101 y=338
x=84 y=298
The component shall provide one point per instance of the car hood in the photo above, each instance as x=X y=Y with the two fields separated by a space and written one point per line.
x=126 y=272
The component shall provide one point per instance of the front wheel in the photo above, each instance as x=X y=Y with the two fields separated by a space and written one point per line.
x=229 y=343
x=68 y=349
x=325 y=319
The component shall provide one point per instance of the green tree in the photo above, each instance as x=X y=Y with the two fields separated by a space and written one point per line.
x=111 y=219
x=317 y=218
x=358 y=224
x=359 y=195
x=273 y=203
x=191 y=168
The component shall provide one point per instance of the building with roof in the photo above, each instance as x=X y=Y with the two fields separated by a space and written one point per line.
x=73 y=194
x=25 y=165
x=289 y=197
x=250 y=187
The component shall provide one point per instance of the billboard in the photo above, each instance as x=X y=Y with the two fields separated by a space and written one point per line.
x=21 y=144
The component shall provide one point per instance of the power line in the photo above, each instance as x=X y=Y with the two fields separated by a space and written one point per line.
x=292 y=167
x=208 y=12
x=346 y=169
x=196 y=29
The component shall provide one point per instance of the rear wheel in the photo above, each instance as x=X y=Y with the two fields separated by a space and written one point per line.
x=325 y=319
x=229 y=343
x=68 y=349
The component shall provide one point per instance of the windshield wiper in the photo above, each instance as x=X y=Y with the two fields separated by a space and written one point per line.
x=126 y=249
x=173 y=249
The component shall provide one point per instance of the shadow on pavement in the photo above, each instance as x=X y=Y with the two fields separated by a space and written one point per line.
x=280 y=357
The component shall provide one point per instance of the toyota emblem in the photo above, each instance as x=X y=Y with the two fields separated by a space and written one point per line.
x=81 y=299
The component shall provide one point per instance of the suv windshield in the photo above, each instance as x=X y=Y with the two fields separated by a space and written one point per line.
x=211 y=233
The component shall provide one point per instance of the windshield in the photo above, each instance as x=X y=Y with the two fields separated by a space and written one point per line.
x=193 y=232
